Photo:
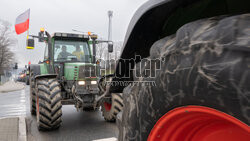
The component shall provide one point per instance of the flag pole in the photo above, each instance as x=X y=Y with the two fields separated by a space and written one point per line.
x=28 y=26
x=27 y=34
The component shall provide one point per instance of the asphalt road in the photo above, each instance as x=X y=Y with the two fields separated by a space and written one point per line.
x=76 y=126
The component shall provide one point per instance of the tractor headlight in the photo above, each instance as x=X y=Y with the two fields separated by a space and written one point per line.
x=93 y=82
x=81 y=82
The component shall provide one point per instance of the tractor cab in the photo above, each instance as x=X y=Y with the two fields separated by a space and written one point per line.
x=73 y=55
x=72 y=49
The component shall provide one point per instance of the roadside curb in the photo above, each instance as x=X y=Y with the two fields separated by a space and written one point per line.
x=10 y=88
x=22 y=129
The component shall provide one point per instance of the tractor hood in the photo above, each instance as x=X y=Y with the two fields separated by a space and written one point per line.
x=81 y=71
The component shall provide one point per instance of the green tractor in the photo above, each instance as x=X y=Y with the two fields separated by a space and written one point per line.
x=68 y=75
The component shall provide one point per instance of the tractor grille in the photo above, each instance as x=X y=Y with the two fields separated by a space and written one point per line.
x=87 y=71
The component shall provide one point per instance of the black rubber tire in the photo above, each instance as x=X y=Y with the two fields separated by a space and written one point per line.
x=206 y=63
x=116 y=107
x=50 y=107
x=32 y=95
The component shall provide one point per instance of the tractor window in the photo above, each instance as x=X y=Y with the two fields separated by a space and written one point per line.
x=73 y=51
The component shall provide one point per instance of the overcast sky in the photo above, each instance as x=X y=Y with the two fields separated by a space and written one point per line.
x=65 y=15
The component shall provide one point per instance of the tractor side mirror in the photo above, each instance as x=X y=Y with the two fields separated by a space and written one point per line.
x=41 y=36
x=110 y=47
x=30 y=44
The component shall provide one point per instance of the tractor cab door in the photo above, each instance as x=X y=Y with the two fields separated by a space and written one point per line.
x=46 y=58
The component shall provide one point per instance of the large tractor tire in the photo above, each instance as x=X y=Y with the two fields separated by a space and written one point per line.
x=112 y=108
x=32 y=95
x=48 y=104
x=202 y=86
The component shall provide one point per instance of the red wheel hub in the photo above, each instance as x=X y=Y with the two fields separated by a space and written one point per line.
x=197 y=123
x=107 y=106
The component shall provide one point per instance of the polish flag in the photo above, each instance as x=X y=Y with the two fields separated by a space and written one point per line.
x=22 y=22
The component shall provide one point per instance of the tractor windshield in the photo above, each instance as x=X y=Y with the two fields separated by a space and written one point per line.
x=72 y=51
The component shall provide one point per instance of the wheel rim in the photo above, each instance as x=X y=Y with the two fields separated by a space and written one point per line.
x=197 y=123
x=107 y=106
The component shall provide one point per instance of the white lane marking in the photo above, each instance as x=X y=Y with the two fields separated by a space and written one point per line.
x=12 y=105
x=107 y=139
x=23 y=102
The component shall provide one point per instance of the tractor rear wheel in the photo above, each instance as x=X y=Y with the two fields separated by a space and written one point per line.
x=202 y=85
x=48 y=104
x=32 y=95
x=112 y=108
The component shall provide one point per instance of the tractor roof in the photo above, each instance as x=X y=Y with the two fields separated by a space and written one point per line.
x=69 y=35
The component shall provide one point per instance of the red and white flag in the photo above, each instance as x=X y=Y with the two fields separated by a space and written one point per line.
x=22 y=22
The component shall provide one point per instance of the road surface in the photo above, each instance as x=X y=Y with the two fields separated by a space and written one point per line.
x=76 y=126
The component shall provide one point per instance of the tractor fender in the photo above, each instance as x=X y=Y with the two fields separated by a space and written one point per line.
x=146 y=26
x=35 y=69
x=138 y=16
x=45 y=76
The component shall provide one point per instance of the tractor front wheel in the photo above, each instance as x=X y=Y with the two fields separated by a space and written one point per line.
x=48 y=104
x=111 y=109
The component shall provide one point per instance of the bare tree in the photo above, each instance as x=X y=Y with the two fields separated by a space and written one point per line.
x=6 y=41
x=117 y=49
x=101 y=50
x=101 y=53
